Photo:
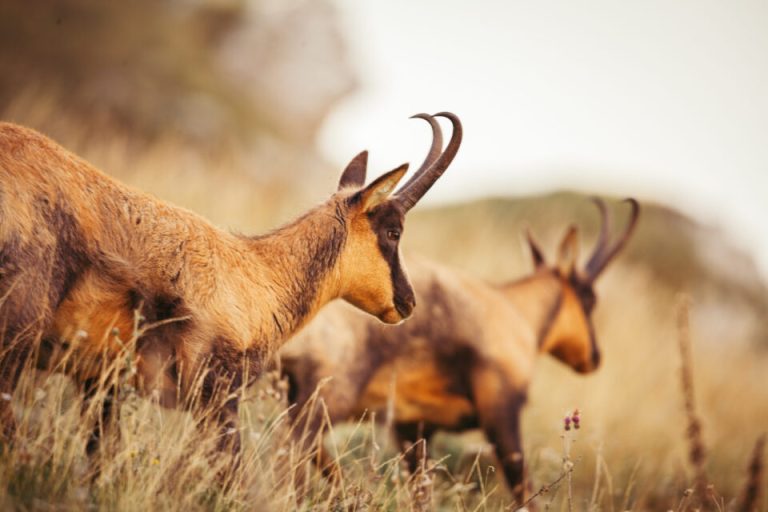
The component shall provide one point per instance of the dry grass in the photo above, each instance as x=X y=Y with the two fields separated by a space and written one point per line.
x=636 y=433
x=753 y=490
x=697 y=452
x=631 y=453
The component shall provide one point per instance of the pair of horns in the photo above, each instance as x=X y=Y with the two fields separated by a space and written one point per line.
x=604 y=251
x=435 y=163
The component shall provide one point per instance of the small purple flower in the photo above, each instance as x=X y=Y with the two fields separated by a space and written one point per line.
x=572 y=419
x=576 y=419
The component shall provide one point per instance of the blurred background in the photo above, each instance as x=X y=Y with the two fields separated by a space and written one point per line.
x=246 y=111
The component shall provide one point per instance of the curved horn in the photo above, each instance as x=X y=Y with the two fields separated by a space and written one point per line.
x=434 y=149
x=602 y=239
x=536 y=254
x=599 y=261
x=410 y=194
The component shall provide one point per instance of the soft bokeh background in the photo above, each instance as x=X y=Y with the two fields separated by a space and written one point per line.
x=656 y=99
x=246 y=111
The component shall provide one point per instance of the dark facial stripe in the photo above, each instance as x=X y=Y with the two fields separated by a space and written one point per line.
x=387 y=217
x=550 y=318
x=595 y=354
x=404 y=298
x=588 y=300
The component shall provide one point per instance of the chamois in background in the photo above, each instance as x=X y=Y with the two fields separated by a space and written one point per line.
x=464 y=361
x=81 y=252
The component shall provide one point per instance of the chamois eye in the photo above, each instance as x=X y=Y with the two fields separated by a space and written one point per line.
x=393 y=234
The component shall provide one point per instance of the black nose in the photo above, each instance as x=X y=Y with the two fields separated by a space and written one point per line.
x=595 y=358
x=404 y=304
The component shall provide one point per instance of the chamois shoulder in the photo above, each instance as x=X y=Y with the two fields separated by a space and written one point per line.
x=27 y=153
x=18 y=141
x=11 y=133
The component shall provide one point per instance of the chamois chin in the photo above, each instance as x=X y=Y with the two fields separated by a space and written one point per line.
x=464 y=361
x=80 y=253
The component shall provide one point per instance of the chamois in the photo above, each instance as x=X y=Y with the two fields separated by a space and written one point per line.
x=465 y=359
x=80 y=253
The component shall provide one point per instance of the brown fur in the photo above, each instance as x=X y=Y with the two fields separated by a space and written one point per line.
x=80 y=252
x=465 y=359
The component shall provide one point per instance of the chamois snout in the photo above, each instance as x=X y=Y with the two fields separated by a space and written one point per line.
x=403 y=301
x=404 y=304
x=590 y=365
x=595 y=359
x=403 y=296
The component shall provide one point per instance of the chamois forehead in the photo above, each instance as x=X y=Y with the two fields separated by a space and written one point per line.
x=584 y=291
x=388 y=214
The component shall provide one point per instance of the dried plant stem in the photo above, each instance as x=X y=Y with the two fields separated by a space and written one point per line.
x=545 y=488
x=568 y=467
x=697 y=450
x=422 y=480
x=566 y=474
x=750 y=497
x=596 y=485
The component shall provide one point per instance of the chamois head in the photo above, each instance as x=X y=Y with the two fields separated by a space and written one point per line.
x=568 y=334
x=372 y=276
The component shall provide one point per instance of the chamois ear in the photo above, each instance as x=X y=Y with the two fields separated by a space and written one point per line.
x=568 y=252
x=378 y=191
x=354 y=173
x=536 y=254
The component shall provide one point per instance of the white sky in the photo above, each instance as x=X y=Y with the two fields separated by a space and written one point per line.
x=659 y=99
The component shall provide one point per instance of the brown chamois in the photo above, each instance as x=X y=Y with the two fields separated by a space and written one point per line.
x=80 y=253
x=465 y=359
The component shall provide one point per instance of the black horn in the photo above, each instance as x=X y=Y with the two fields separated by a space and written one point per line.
x=604 y=253
x=434 y=149
x=601 y=246
x=410 y=194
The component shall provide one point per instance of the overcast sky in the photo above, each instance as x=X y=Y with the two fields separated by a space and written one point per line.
x=659 y=99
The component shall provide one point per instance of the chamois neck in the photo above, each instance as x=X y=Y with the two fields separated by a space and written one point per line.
x=537 y=298
x=300 y=263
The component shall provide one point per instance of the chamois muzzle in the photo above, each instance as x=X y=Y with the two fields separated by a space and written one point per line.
x=434 y=166
x=404 y=305
x=595 y=359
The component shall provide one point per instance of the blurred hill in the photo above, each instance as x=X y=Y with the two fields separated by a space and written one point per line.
x=248 y=82
x=677 y=253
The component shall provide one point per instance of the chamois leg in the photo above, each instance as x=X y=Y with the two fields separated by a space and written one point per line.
x=228 y=425
x=499 y=406
x=158 y=372
x=307 y=431
x=217 y=412
x=16 y=348
x=12 y=362
x=23 y=317
x=107 y=412
x=312 y=407
x=308 y=422
x=220 y=402
x=413 y=439
x=504 y=434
